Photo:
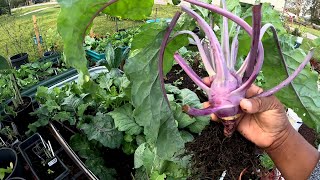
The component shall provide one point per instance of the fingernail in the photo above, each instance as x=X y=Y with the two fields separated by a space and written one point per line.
x=246 y=104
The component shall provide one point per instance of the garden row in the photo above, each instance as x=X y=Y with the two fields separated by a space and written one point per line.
x=113 y=121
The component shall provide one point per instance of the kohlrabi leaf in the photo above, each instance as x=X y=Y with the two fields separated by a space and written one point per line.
x=269 y=15
x=151 y=110
x=202 y=11
x=102 y=129
x=303 y=96
x=124 y=120
x=128 y=9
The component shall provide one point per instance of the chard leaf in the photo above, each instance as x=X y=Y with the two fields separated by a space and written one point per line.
x=303 y=95
x=102 y=129
x=124 y=120
x=151 y=110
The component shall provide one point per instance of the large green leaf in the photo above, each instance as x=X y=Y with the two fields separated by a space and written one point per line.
x=151 y=110
x=76 y=16
x=135 y=10
x=102 y=129
x=303 y=95
x=124 y=120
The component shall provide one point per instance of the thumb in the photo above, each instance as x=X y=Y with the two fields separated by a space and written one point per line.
x=261 y=104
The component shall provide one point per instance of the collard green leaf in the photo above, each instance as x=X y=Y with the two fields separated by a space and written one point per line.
x=151 y=110
x=124 y=120
x=303 y=95
x=135 y=10
x=102 y=129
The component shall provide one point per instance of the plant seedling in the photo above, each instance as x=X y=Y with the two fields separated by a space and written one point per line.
x=228 y=85
x=4 y=171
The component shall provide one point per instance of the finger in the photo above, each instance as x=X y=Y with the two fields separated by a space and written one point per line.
x=253 y=90
x=213 y=117
x=262 y=104
x=207 y=81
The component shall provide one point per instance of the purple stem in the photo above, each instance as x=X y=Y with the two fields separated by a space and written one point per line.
x=206 y=111
x=221 y=68
x=203 y=54
x=209 y=53
x=234 y=49
x=162 y=50
x=225 y=13
x=195 y=78
x=256 y=19
x=290 y=78
x=225 y=37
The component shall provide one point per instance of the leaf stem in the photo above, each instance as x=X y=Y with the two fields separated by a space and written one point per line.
x=221 y=68
x=234 y=49
x=195 y=78
x=290 y=78
x=162 y=50
x=225 y=37
x=203 y=55
x=206 y=111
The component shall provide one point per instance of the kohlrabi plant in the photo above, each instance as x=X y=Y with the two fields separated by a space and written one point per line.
x=228 y=84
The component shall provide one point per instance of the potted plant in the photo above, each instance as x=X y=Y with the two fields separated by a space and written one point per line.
x=18 y=108
x=10 y=166
x=41 y=159
x=18 y=45
x=52 y=41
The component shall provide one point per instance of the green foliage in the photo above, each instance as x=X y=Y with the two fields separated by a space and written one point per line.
x=4 y=171
x=302 y=96
x=102 y=129
x=151 y=110
x=76 y=16
x=266 y=162
x=89 y=150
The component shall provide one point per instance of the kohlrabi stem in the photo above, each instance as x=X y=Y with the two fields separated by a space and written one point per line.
x=206 y=111
x=206 y=62
x=195 y=78
x=221 y=68
x=162 y=50
x=256 y=55
x=256 y=26
x=234 y=50
x=209 y=53
x=290 y=78
x=225 y=37
x=225 y=13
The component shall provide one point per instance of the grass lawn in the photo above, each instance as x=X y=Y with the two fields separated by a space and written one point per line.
x=305 y=29
x=17 y=31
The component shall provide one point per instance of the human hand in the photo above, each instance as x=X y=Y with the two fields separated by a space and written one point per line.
x=264 y=121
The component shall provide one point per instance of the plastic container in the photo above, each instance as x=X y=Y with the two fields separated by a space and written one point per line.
x=19 y=59
x=54 y=168
x=7 y=156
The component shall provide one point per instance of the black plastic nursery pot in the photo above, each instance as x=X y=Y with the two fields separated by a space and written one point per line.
x=19 y=59
x=22 y=118
x=48 y=53
x=53 y=169
x=7 y=156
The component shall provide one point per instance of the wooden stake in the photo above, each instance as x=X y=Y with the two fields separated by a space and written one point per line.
x=36 y=31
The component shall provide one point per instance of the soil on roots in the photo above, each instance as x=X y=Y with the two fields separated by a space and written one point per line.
x=212 y=153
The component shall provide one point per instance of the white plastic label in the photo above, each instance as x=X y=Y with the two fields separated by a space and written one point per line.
x=52 y=162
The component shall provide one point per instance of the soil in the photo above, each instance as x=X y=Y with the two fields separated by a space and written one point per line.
x=177 y=74
x=309 y=134
x=212 y=153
